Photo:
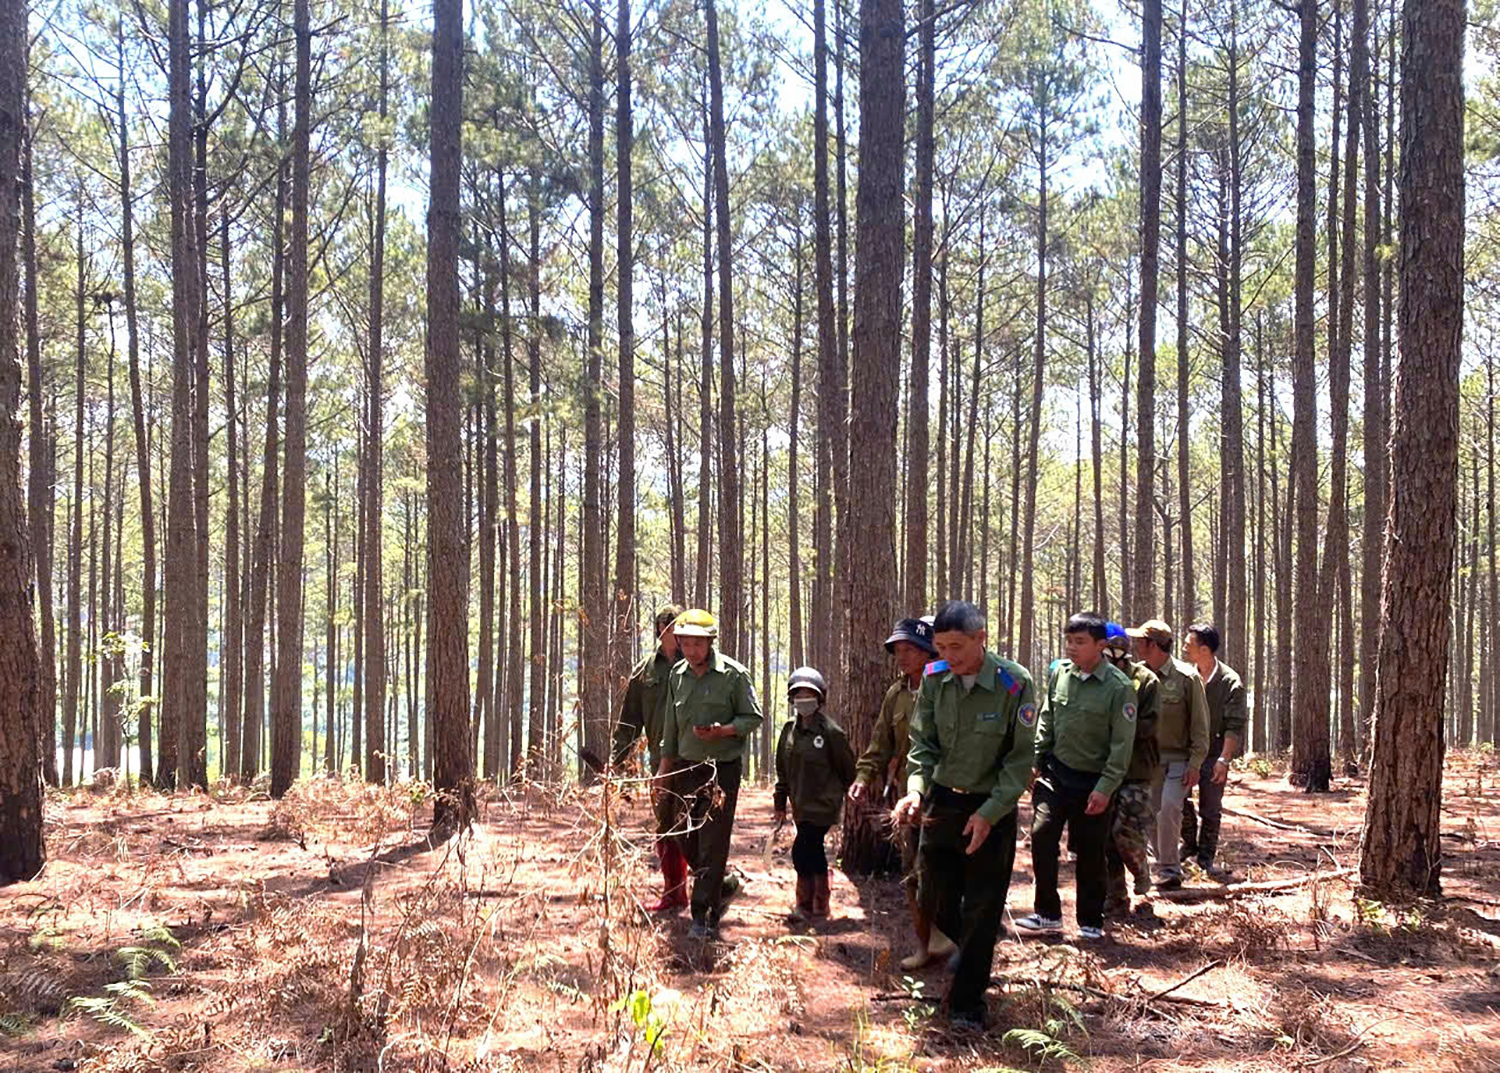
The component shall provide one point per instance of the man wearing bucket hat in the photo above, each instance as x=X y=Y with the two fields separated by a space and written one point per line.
x=1181 y=735
x=644 y=713
x=711 y=715
x=1131 y=817
x=884 y=763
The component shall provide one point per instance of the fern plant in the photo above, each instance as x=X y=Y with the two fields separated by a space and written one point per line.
x=113 y=1007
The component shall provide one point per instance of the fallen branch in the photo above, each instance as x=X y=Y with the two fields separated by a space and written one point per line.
x=1235 y=890
x=1472 y=901
x=1359 y=1041
x=1246 y=814
x=1187 y=979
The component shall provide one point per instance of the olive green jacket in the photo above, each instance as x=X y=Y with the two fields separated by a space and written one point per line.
x=1145 y=755
x=724 y=693
x=959 y=740
x=645 y=708
x=1226 y=704
x=1087 y=722
x=890 y=741
x=1182 y=729
x=814 y=766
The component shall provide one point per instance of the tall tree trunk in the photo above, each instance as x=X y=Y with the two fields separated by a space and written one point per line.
x=1143 y=584
x=793 y=468
x=232 y=678
x=508 y=705
x=72 y=697
x=447 y=546
x=491 y=682
x=536 y=722
x=1184 y=473
x=731 y=546
x=877 y=329
x=1038 y=383
x=701 y=595
x=1236 y=647
x=626 y=613
x=22 y=850
x=1100 y=596
x=829 y=424
x=915 y=469
x=1310 y=760
x=376 y=743
x=1401 y=847
x=1374 y=416
x=182 y=542
x=286 y=712
x=1261 y=679
x=593 y=699
x=265 y=534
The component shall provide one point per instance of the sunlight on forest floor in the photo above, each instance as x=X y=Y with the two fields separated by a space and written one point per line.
x=228 y=932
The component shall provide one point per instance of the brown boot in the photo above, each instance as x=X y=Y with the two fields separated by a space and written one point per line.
x=820 y=896
x=804 y=908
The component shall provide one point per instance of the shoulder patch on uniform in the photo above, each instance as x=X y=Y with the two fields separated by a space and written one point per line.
x=1012 y=686
x=1027 y=715
x=937 y=666
x=1130 y=713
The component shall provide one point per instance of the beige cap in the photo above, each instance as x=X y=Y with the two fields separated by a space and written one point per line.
x=1153 y=630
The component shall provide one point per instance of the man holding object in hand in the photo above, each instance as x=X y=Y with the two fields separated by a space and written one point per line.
x=969 y=764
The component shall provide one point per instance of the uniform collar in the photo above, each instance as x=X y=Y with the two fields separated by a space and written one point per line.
x=985 y=677
x=1098 y=672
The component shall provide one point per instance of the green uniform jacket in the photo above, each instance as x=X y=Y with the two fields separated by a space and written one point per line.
x=1088 y=722
x=891 y=738
x=958 y=739
x=1226 y=704
x=645 y=708
x=723 y=694
x=1145 y=755
x=1182 y=730
x=814 y=766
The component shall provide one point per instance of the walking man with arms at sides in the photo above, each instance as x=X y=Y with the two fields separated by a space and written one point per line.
x=968 y=767
x=1227 y=720
x=1084 y=738
x=1131 y=820
x=711 y=715
x=1181 y=735
x=644 y=714
x=884 y=763
x=814 y=767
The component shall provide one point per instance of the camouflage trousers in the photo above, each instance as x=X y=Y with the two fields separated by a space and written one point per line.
x=1131 y=821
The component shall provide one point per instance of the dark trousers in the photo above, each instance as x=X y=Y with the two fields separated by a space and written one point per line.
x=1051 y=809
x=809 y=857
x=1202 y=840
x=962 y=893
x=711 y=819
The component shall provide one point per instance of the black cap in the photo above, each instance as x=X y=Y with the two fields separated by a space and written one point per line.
x=913 y=631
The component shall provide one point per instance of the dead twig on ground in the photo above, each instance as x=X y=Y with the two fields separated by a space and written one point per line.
x=1359 y=1041
x=1235 y=890
x=1187 y=979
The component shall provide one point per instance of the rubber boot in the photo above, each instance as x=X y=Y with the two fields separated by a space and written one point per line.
x=920 y=925
x=820 y=896
x=674 y=878
x=803 y=910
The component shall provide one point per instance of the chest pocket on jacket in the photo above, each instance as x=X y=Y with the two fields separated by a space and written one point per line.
x=990 y=722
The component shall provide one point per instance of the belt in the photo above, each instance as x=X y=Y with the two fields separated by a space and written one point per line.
x=960 y=790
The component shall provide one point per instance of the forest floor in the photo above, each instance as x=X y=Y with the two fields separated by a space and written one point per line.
x=323 y=933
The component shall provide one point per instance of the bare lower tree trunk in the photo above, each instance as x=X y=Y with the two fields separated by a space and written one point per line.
x=22 y=850
x=1184 y=473
x=232 y=679
x=377 y=746
x=593 y=699
x=73 y=698
x=793 y=469
x=921 y=318
x=508 y=655
x=1374 y=415
x=877 y=330
x=536 y=721
x=447 y=546
x=1401 y=848
x=626 y=613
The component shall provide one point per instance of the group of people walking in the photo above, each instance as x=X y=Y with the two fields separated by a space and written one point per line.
x=1110 y=749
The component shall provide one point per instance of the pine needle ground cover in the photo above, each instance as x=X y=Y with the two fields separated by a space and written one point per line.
x=323 y=932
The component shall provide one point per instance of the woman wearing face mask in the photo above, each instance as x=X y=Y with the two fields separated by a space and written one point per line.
x=814 y=767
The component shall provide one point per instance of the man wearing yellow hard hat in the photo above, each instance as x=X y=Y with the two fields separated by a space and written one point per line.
x=712 y=713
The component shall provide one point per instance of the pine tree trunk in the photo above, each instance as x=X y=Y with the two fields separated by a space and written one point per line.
x=915 y=469
x=536 y=731
x=1260 y=679
x=1401 y=848
x=22 y=850
x=508 y=654
x=491 y=681
x=625 y=611
x=1143 y=548
x=372 y=586
x=233 y=677
x=1038 y=383
x=1311 y=766
x=1100 y=598
x=793 y=467
x=1184 y=473
x=1235 y=628
x=1374 y=433
x=594 y=698
x=73 y=698
x=286 y=710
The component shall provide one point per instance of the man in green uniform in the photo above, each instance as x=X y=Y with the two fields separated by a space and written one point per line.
x=968 y=767
x=1131 y=818
x=1084 y=737
x=1227 y=719
x=711 y=714
x=1182 y=736
x=644 y=713
x=884 y=764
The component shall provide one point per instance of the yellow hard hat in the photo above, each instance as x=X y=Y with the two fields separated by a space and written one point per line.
x=696 y=622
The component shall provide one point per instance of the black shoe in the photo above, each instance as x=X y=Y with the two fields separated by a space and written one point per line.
x=1170 y=883
x=966 y=1020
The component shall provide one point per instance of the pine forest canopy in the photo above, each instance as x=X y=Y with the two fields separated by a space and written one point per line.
x=406 y=339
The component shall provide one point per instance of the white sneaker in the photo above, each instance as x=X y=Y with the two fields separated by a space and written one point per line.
x=1038 y=923
x=1086 y=932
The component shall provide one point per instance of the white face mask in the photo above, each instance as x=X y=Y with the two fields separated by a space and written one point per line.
x=805 y=706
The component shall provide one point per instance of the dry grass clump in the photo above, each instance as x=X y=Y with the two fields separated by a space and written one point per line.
x=1301 y=1019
